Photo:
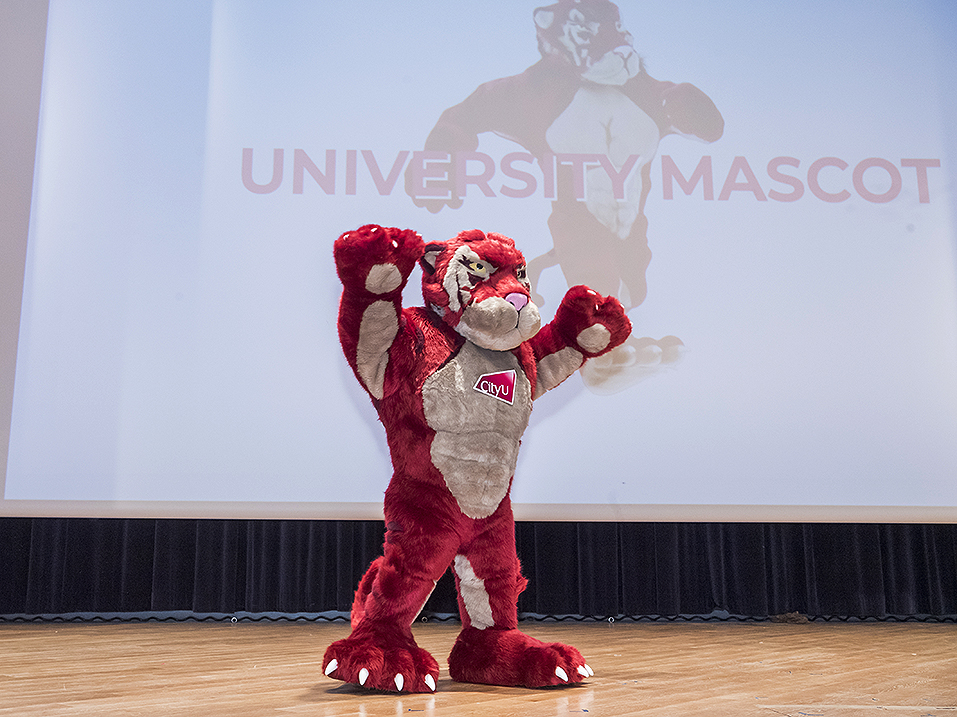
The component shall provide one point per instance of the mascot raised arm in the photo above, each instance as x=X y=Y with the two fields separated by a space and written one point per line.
x=453 y=383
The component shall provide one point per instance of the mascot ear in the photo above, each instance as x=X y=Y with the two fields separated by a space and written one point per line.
x=431 y=255
x=544 y=17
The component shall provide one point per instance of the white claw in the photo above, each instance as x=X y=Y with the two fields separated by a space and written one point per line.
x=430 y=681
x=561 y=674
x=582 y=671
x=591 y=672
x=399 y=681
x=331 y=667
x=363 y=676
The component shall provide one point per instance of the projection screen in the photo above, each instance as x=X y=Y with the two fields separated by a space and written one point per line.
x=174 y=175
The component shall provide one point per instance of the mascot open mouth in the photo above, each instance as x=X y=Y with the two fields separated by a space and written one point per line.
x=589 y=35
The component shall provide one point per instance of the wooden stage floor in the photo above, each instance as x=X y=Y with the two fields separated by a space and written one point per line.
x=671 y=670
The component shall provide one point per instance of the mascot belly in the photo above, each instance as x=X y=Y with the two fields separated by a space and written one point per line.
x=453 y=383
x=603 y=121
x=478 y=405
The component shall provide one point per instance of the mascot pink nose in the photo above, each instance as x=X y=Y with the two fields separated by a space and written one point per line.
x=517 y=300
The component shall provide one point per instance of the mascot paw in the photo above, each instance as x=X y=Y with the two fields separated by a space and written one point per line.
x=511 y=658
x=594 y=323
x=389 y=663
x=632 y=362
x=378 y=258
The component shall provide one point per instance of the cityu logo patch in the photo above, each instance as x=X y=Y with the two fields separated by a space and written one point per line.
x=499 y=385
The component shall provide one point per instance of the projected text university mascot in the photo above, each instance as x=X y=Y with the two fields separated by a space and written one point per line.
x=589 y=96
x=453 y=383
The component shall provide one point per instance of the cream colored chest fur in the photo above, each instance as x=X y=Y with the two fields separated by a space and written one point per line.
x=477 y=435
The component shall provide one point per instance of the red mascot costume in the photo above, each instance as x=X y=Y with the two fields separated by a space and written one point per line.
x=453 y=383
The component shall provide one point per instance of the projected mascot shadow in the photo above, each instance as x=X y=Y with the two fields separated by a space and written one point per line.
x=588 y=95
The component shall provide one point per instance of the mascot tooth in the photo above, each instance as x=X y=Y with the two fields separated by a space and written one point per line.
x=453 y=383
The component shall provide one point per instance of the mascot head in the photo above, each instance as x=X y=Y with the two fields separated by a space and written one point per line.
x=477 y=283
x=588 y=34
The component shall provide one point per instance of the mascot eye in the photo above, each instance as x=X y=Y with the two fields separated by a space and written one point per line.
x=478 y=269
x=521 y=274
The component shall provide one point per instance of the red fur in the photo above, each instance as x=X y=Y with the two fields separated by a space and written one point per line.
x=425 y=526
x=511 y=658
x=496 y=248
x=580 y=308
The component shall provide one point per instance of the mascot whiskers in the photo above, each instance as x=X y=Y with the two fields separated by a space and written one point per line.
x=453 y=383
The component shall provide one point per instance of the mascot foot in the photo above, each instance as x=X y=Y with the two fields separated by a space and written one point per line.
x=387 y=661
x=511 y=658
x=633 y=361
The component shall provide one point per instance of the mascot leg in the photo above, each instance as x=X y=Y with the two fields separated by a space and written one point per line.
x=381 y=652
x=490 y=649
x=589 y=253
x=363 y=592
